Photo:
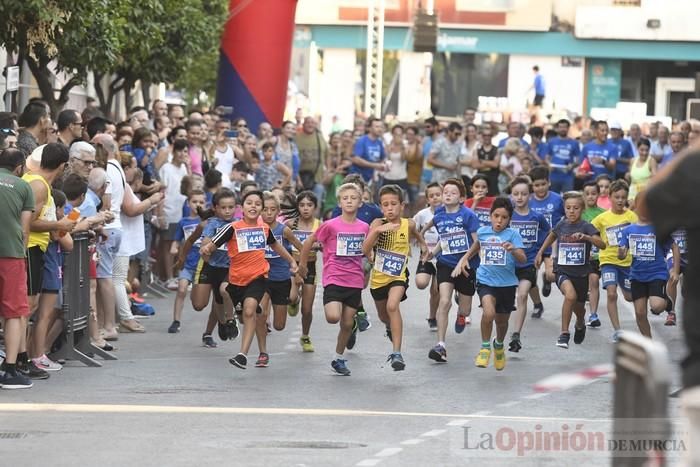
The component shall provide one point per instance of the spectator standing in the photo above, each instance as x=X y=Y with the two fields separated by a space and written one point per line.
x=36 y=122
x=469 y=147
x=396 y=160
x=70 y=126
x=286 y=150
x=539 y=87
x=677 y=143
x=488 y=160
x=562 y=157
x=445 y=154
x=368 y=154
x=625 y=153
x=600 y=154
x=414 y=166
x=313 y=151
x=661 y=147
x=633 y=136
x=432 y=134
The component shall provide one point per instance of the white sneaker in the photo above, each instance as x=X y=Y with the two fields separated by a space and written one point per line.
x=46 y=364
x=171 y=284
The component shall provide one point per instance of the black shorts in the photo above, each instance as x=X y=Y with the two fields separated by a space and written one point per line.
x=505 y=296
x=254 y=289
x=213 y=276
x=656 y=288
x=528 y=273
x=426 y=267
x=463 y=284
x=35 y=270
x=538 y=99
x=279 y=291
x=382 y=293
x=580 y=286
x=346 y=295
x=169 y=234
x=311 y=274
x=595 y=267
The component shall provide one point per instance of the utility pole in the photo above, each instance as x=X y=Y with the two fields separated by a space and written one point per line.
x=375 y=58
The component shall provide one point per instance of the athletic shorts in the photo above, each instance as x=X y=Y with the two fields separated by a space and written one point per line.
x=13 y=288
x=187 y=274
x=213 y=276
x=463 y=284
x=382 y=293
x=655 y=288
x=51 y=281
x=505 y=296
x=580 y=286
x=169 y=234
x=35 y=270
x=346 y=295
x=426 y=267
x=279 y=291
x=538 y=99
x=528 y=273
x=311 y=274
x=595 y=267
x=615 y=275
x=255 y=289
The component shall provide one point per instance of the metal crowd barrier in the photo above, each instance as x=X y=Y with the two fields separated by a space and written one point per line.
x=76 y=305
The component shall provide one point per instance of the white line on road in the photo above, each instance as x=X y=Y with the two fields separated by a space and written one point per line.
x=433 y=433
x=368 y=462
x=508 y=404
x=409 y=442
x=481 y=413
x=537 y=395
x=388 y=452
x=457 y=422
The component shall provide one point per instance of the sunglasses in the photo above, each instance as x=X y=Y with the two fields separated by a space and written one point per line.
x=8 y=131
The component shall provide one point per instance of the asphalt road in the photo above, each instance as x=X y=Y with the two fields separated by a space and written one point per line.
x=170 y=401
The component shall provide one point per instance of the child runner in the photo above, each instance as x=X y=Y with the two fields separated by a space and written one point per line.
x=279 y=283
x=681 y=240
x=574 y=238
x=603 y=181
x=533 y=229
x=247 y=277
x=590 y=197
x=343 y=275
x=481 y=202
x=456 y=226
x=185 y=228
x=388 y=244
x=648 y=273
x=303 y=224
x=550 y=205
x=500 y=247
x=615 y=271
x=426 y=272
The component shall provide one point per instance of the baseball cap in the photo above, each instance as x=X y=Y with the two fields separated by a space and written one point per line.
x=615 y=125
x=34 y=160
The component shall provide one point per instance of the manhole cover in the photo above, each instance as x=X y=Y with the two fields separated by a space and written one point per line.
x=304 y=445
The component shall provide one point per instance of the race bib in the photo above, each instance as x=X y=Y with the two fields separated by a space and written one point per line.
x=269 y=252
x=251 y=239
x=431 y=238
x=613 y=234
x=484 y=216
x=454 y=242
x=389 y=263
x=680 y=238
x=526 y=229
x=493 y=254
x=643 y=245
x=301 y=235
x=571 y=254
x=349 y=244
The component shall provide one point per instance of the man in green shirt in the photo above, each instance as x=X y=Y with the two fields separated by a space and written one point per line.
x=313 y=151
x=16 y=207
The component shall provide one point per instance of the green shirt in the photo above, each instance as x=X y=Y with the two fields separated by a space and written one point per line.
x=588 y=215
x=16 y=196
x=312 y=154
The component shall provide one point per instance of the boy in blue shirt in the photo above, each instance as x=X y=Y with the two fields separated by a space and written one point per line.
x=562 y=158
x=500 y=247
x=625 y=153
x=648 y=273
x=368 y=154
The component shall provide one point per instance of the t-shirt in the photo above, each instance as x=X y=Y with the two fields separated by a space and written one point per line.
x=447 y=152
x=279 y=267
x=490 y=173
x=391 y=253
x=588 y=215
x=610 y=226
x=647 y=252
x=367 y=212
x=455 y=231
x=219 y=258
x=371 y=150
x=117 y=180
x=16 y=197
x=572 y=256
x=497 y=268
x=625 y=153
x=551 y=207
x=47 y=213
x=430 y=236
x=267 y=175
x=598 y=155
x=482 y=210
x=133 y=239
x=533 y=229
x=185 y=228
x=89 y=206
x=246 y=249
x=539 y=85
x=225 y=161
x=171 y=177
x=562 y=152
x=342 y=252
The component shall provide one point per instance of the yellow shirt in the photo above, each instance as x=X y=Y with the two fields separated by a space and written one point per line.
x=610 y=226
x=391 y=256
x=48 y=213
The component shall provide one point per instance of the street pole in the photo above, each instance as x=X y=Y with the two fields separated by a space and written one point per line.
x=375 y=58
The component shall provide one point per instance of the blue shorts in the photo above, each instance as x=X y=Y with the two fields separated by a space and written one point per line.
x=51 y=281
x=616 y=275
x=106 y=252
x=187 y=274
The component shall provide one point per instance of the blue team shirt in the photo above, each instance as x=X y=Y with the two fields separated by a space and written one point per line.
x=367 y=212
x=455 y=231
x=185 y=228
x=542 y=150
x=533 y=229
x=607 y=151
x=497 y=268
x=369 y=150
x=625 y=153
x=648 y=253
x=208 y=197
x=563 y=151
x=279 y=268
x=218 y=259
x=539 y=85
x=551 y=207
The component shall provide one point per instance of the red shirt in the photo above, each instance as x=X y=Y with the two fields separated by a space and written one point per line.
x=482 y=210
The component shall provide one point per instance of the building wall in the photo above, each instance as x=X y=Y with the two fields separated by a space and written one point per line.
x=336 y=85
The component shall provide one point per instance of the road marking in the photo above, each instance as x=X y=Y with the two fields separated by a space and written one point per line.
x=457 y=422
x=368 y=462
x=537 y=395
x=564 y=381
x=508 y=404
x=481 y=413
x=388 y=452
x=409 y=442
x=433 y=433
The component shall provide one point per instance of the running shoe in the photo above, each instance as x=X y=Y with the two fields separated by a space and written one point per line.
x=432 y=324
x=460 y=324
x=670 y=319
x=208 y=341
x=31 y=371
x=174 y=327
x=539 y=309
x=293 y=309
x=240 y=360
x=515 y=344
x=563 y=340
x=483 y=357
x=306 y=344
x=171 y=284
x=499 y=357
x=593 y=320
x=468 y=320
x=397 y=362
x=352 y=340
x=615 y=336
x=340 y=367
x=546 y=286
x=388 y=333
x=222 y=330
x=14 y=380
x=268 y=328
x=46 y=364
x=579 y=335
x=362 y=320
x=231 y=328
x=438 y=353
x=136 y=298
x=263 y=360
